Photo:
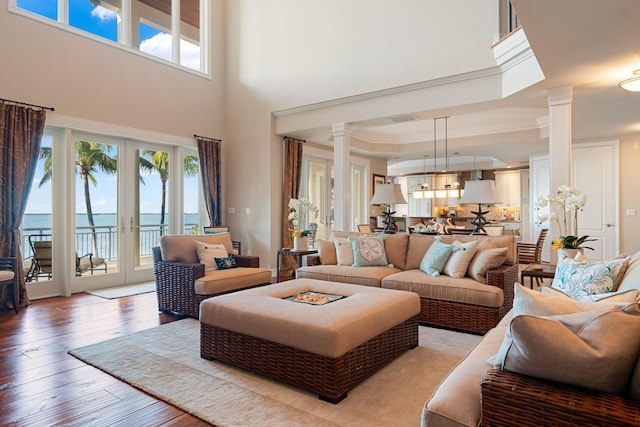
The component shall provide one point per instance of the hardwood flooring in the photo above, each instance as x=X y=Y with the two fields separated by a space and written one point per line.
x=40 y=384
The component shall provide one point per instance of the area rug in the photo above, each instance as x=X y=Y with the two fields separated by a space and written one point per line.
x=165 y=362
x=124 y=291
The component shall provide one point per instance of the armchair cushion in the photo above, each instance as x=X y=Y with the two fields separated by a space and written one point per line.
x=181 y=248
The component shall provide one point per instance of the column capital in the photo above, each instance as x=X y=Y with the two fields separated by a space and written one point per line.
x=560 y=95
x=341 y=129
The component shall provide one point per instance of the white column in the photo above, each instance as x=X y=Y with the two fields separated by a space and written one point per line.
x=559 y=101
x=342 y=176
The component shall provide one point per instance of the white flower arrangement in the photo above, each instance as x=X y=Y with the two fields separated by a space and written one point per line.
x=301 y=209
x=571 y=201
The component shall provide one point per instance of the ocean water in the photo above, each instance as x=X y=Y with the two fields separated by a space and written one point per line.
x=31 y=222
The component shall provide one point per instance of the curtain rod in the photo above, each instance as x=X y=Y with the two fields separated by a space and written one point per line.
x=294 y=139
x=206 y=138
x=27 y=104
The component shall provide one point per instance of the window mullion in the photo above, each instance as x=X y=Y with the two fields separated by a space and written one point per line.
x=125 y=26
x=63 y=11
x=175 y=31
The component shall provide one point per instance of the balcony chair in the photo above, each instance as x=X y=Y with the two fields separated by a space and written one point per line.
x=364 y=228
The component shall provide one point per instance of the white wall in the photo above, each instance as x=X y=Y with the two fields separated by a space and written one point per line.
x=89 y=80
x=283 y=54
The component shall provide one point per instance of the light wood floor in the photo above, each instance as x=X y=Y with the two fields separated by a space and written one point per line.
x=40 y=384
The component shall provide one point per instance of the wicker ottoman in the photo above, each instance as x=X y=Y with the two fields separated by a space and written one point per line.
x=327 y=349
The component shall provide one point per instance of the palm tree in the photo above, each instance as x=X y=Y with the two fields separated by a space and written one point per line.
x=158 y=161
x=91 y=157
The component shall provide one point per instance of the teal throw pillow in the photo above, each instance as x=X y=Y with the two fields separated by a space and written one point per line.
x=436 y=257
x=226 y=263
x=582 y=280
x=368 y=250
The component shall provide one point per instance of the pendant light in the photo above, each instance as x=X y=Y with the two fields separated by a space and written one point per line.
x=422 y=192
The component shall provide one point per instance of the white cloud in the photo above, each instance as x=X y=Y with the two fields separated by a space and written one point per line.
x=160 y=45
x=100 y=202
x=104 y=14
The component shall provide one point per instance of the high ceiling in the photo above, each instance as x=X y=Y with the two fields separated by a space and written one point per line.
x=589 y=45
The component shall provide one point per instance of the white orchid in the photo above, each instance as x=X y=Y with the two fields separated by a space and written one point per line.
x=301 y=209
x=572 y=201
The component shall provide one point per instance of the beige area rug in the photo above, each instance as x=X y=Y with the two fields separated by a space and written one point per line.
x=124 y=291
x=165 y=362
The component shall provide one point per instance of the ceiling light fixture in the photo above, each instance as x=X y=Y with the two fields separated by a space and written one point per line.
x=632 y=84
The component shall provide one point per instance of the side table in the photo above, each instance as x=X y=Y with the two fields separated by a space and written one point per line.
x=537 y=271
x=291 y=252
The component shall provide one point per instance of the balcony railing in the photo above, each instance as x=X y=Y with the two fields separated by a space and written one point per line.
x=106 y=239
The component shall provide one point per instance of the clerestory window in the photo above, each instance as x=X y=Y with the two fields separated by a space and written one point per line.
x=171 y=30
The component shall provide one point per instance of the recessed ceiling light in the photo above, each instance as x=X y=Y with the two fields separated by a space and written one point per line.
x=401 y=119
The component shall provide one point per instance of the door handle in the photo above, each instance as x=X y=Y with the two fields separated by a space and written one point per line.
x=131 y=223
x=610 y=225
x=122 y=228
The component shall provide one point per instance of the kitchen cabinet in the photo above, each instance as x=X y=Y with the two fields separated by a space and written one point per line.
x=508 y=187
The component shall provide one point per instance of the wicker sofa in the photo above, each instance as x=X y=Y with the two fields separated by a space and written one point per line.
x=183 y=282
x=457 y=303
x=474 y=393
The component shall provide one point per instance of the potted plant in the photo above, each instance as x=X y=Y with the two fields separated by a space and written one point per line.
x=570 y=201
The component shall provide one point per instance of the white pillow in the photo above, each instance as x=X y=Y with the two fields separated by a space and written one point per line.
x=208 y=252
x=344 y=251
x=460 y=259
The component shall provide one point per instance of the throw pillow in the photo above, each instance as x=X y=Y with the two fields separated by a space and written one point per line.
x=327 y=252
x=581 y=279
x=368 y=251
x=594 y=349
x=485 y=260
x=207 y=252
x=436 y=257
x=226 y=262
x=459 y=261
x=344 y=250
x=631 y=295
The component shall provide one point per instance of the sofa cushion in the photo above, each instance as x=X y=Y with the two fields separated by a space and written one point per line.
x=207 y=252
x=344 y=250
x=436 y=258
x=594 y=349
x=182 y=248
x=396 y=246
x=217 y=281
x=580 y=280
x=370 y=276
x=368 y=250
x=327 y=252
x=456 y=400
x=459 y=261
x=445 y=288
x=631 y=277
x=544 y=303
x=484 y=260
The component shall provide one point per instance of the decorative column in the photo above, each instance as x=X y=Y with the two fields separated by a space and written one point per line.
x=559 y=101
x=342 y=176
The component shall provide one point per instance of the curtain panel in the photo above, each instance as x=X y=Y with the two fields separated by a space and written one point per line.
x=292 y=173
x=21 y=130
x=209 y=153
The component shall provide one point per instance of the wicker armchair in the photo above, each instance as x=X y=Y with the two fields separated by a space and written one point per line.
x=510 y=399
x=175 y=283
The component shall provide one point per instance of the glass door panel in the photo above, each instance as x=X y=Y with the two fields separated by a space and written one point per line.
x=320 y=193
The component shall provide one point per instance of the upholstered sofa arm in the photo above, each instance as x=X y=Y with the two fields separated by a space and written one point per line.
x=511 y=399
x=504 y=277
x=313 y=259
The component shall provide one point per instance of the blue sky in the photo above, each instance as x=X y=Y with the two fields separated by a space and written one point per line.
x=104 y=194
x=104 y=22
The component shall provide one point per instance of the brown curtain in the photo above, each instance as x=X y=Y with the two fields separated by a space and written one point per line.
x=209 y=153
x=21 y=130
x=290 y=190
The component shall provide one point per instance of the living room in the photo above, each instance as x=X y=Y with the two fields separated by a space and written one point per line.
x=271 y=63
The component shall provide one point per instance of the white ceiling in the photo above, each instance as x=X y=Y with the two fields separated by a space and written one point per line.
x=590 y=45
